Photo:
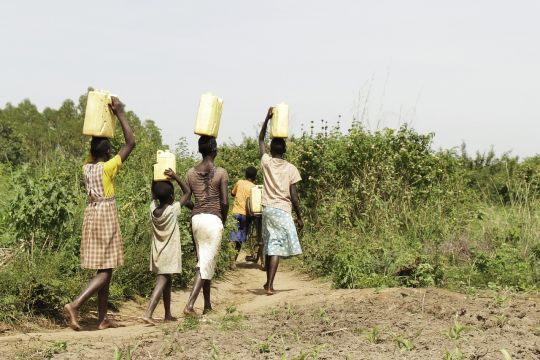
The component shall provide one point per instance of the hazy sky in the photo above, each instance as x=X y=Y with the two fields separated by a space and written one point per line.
x=466 y=70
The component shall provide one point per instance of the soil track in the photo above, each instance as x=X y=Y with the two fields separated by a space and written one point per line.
x=306 y=319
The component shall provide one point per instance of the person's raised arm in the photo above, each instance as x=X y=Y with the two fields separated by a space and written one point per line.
x=224 y=198
x=262 y=146
x=185 y=200
x=296 y=206
x=117 y=108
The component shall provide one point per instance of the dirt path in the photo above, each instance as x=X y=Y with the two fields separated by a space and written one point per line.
x=307 y=319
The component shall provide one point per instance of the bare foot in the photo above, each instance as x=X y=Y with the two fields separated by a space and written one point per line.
x=170 y=318
x=189 y=312
x=149 y=321
x=270 y=291
x=265 y=286
x=105 y=324
x=71 y=317
x=207 y=310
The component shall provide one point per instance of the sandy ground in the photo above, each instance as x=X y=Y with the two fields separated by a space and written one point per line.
x=306 y=319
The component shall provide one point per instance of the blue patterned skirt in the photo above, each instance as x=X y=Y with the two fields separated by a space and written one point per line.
x=279 y=233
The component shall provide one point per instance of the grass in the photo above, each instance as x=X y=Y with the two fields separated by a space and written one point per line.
x=189 y=323
x=455 y=354
x=274 y=313
x=373 y=335
x=263 y=347
x=323 y=316
x=215 y=354
x=305 y=354
x=126 y=352
x=501 y=320
x=403 y=343
x=48 y=352
x=232 y=320
x=292 y=311
x=455 y=331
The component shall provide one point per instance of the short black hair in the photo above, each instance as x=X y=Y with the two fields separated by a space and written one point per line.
x=207 y=145
x=278 y=146
x=251 y=173
x=164 y=191
x=100 y=147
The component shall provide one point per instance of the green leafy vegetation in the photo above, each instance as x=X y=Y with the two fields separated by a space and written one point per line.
x=381 y=209
x=232 y=320
x=188 y=323
x=455 y=331
x=455 y=354
x=403 y=343
x=42 y=207
x=373 y=335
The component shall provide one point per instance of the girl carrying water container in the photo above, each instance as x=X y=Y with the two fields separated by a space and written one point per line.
x=101 y=243
x=208 y=183
x=166 y=253
x=279 y=198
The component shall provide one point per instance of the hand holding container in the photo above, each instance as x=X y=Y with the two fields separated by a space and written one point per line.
x=280 y=121
x=165 y=160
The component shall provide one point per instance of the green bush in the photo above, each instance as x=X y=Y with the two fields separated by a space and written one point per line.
x=41 y=216
x=381 y=209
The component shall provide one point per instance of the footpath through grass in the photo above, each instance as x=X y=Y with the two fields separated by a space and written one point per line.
x=381 y=209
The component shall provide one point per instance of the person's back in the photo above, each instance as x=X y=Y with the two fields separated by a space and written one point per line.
x=241 y=192
x=279 y=198
x=205 y=186
x=279 y=175
x=166 y=252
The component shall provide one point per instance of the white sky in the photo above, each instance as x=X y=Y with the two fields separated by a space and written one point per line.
x=466 y=70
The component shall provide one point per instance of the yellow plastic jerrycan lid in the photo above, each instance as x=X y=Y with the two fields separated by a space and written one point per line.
x=280 y=121
x=208 y=115
x=164 y=160
x=99 y=120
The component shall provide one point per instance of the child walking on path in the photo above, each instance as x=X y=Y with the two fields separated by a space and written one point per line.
x=208 y=183
x=280 y=178
x=241 y=192
x=101 y=244
x=166 y=253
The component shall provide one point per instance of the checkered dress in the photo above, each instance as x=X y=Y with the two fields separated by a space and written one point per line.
x=101 y=244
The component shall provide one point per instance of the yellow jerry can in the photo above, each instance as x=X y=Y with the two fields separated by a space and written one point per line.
x=280 y=121
x=164 y=160
x=255 y=199
x=209 y=115
x=99 y=120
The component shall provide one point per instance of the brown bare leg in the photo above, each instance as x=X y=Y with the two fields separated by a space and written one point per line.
x=197 y=285
x=101 y=278
x=272 y=263
x=161 y=282
x=103 y=300
x=206 y=294
x=167 y=299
